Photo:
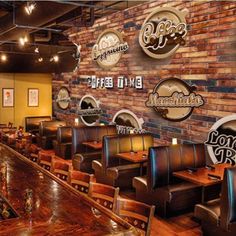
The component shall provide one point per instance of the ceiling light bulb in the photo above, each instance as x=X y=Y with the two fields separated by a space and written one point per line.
x=3 y=57
x=36 y=50
x=26 y=39
x=56 y=58
x=30 y=6
x=40 y=59
x=21 y=41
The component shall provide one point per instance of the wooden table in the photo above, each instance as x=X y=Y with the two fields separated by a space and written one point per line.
x=135 y=157
x=93 y=144
x=58 y=208
x=201 y=177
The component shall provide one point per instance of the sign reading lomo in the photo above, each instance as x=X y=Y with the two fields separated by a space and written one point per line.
x=109 y=48
x=221 y=141
x=163 y=31
x=174 y=99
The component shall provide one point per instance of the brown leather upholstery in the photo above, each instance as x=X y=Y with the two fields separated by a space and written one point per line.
x=83 y=155
x=218 y=217
x=32 y=123
x=136 y=213
x=114 y=171
x=48 y=132
x=62 y=144
x=160 y=187
x=104 y=195
x=80 y=180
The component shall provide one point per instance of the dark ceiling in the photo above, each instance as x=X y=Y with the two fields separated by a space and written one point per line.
x=44 y=29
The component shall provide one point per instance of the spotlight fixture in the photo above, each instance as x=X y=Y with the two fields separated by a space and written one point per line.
x=36 y=50
x=55 y=58
x=23 y=40
x=3 y=57
x=40 y=59
x=30 y=6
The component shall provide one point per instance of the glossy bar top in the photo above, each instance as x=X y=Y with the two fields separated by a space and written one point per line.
x=58 y=209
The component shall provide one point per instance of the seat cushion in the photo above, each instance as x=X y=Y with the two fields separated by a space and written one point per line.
x=208 y=212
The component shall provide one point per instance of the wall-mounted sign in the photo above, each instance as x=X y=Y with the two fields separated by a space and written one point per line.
x=121 y=82
x=109 y=48
x=127 y=122
x=221 y=141
x=89 y=110
x=63 y=98
x=174 y=99
x=163 y=32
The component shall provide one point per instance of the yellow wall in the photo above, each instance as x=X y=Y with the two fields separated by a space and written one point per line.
x=21 y=83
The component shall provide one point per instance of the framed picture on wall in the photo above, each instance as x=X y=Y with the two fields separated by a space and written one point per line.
x=8 y=97
x=33 y=97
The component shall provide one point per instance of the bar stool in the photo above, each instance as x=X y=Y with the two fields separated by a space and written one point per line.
x=34 y=150
x=60 y=169
x=45 y=160
x=80 y=180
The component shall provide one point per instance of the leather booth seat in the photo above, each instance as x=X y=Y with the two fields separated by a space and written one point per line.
x=218 y=217
x=48 y=133
x=117 y=172
x=63 y=142
x=160 y=187
x=84 y=155
x=32 y=123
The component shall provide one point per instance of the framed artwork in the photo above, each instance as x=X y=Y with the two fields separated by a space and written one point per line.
x=8 y=97
x=33 y=97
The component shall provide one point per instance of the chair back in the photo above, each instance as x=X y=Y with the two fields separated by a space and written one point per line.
x=60 y=169
x=136 y=213
x=164 y=160
x=228 y=200
x=64 y=134
x=103 y=194
x=32 y=122
x=47 y=128
x=80 y=180
x=45 y=160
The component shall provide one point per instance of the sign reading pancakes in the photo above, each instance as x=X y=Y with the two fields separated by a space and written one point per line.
x=163 y=31
x=127 y=122
x=221 y=141
x=89 y=111
x=63 y=98
x=109 y=48
x=174 y=99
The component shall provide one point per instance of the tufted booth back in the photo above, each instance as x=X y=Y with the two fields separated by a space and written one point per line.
x=163 y=161
x=228 y=200
x=64 y=134
x=89 y=133
x=113 y=145
x=48 y=128
x=32 y=122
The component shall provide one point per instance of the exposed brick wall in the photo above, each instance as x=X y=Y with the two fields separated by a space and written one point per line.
x=207 y=60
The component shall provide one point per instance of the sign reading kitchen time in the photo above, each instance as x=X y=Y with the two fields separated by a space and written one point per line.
x=163 y=31
x=174 y=99
x=109 y=48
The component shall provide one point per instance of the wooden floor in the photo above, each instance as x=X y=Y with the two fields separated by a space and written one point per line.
x=183 y=225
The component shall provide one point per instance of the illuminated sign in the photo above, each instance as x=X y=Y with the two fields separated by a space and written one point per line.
x=174 y=99
x=89 y=110
x=163 y=31
x=109 y=48
x=127 y=122
x=221 y=141
x=63 y=98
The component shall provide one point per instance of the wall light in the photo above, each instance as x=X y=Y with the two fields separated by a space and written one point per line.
x=174 y=141
x=3 y=57
x=30 y=6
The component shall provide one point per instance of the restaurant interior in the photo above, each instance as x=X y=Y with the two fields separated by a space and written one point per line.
x=118 y=118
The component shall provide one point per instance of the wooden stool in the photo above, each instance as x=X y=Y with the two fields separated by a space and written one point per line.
x=60 y=169
x=45 y=160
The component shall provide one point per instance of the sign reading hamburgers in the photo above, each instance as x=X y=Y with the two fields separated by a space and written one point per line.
x=109 y=48
x=174 y=99
x=163 y=31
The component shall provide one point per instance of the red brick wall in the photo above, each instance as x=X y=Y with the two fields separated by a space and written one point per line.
x=207 y=60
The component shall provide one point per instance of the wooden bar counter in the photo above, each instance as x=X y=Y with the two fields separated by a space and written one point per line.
x=58 y=208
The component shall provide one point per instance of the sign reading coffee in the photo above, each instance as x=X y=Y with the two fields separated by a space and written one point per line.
x=109 y=48
x=163 y=31
x=174 y=99
x=221 y=141
x=63 y=98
